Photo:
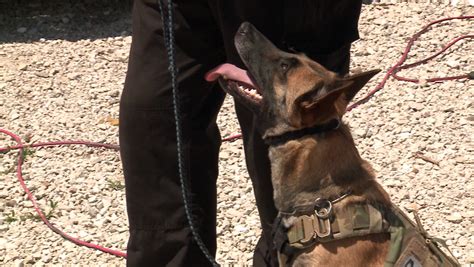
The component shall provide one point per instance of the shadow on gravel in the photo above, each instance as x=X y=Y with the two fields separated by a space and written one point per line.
x=72 y=20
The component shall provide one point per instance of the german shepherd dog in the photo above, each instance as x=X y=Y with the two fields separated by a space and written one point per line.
x=299 y=105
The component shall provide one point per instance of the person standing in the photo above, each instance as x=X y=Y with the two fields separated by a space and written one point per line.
x=204 y=31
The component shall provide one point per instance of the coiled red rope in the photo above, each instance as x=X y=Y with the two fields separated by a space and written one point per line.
x=20 y=147
x=392 y=72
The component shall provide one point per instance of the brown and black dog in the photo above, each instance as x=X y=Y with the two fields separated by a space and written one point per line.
x=299 y=105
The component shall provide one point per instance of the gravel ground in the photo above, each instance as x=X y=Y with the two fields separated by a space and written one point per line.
x=61 y=75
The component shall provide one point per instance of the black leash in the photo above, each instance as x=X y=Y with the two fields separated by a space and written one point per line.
x=168 y=35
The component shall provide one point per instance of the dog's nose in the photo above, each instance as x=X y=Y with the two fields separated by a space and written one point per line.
x=244 y=28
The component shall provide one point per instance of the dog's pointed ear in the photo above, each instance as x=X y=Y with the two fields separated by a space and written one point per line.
x=324 y=103
x=358 y=82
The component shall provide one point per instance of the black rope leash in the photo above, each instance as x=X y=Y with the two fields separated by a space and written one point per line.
x=168 y=35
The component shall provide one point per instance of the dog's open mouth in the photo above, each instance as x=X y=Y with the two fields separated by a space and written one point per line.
x=235 y=81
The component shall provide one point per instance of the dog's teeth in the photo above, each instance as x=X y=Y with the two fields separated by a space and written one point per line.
x=251 y=92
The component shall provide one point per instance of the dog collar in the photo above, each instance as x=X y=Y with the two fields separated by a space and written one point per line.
x=292 y=135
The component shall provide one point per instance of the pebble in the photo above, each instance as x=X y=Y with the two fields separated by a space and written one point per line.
x=452 y=63
x=3 y=243
x=4 y=228
x=470 y=257
x=468 y=214
x=23 y=66
x=42 y=74
x=462 y=242
x=454 y=217
x=19 y=263
x=11 y=203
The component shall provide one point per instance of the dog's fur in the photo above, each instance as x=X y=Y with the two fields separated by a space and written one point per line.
x=299 y=93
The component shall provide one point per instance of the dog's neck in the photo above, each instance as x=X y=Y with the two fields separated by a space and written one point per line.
x=321 y=166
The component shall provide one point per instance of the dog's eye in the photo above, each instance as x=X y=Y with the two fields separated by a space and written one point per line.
x=284 y=66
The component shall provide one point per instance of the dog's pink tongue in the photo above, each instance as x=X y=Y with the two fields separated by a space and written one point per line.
x=229 y=71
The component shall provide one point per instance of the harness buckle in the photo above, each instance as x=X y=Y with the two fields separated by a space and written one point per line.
x=323 y=211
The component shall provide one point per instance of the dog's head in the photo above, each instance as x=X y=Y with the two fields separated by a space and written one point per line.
x=286 y=91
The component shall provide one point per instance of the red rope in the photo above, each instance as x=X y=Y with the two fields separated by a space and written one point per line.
x=391 y=72
x=20 y=146
x=399 y=65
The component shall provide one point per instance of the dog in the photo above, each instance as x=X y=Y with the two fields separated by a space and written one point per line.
x=332 y=211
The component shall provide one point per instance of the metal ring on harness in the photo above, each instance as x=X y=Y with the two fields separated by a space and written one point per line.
x=323 y=208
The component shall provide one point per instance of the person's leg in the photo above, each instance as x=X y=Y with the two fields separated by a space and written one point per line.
x=159 y=232
x=325 y=39
x=264 y=14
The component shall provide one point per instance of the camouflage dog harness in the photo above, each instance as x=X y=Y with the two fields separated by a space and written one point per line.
x=410 y=244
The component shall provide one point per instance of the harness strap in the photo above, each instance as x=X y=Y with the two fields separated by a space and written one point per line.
x=355 y=220
x=410 y=244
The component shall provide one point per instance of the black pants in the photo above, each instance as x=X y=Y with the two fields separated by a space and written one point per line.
x=204 y=29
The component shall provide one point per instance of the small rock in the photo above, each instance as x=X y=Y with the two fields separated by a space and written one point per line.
x=241 y=229
x=65 y=20
x=30 y=260
x=36 y=255
x=93 y=212
x=73 y=76
x=413 y=207
x=19 y=263
x=114 y=93
x=462 y=241
x=42 y=74
x=46 y=259
x=360 y=132
x=452 y=63
x=23 y=66
x=11 y=203
x=470 y=257
x=468 y=214
x=3 y=243
x=416 y=106
x=4 y=228
x=455 y=217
